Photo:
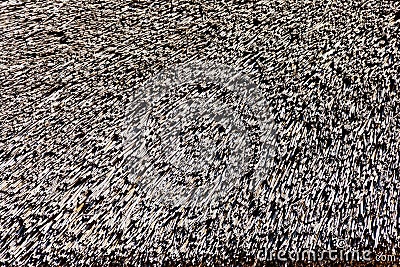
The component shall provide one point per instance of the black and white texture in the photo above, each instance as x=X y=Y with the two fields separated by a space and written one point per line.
x=195 y=131
x=328 y=70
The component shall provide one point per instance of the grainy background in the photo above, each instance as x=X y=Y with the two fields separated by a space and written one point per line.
x=329 y=69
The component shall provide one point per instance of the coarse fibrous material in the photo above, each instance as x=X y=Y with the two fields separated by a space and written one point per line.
x=328 y=72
